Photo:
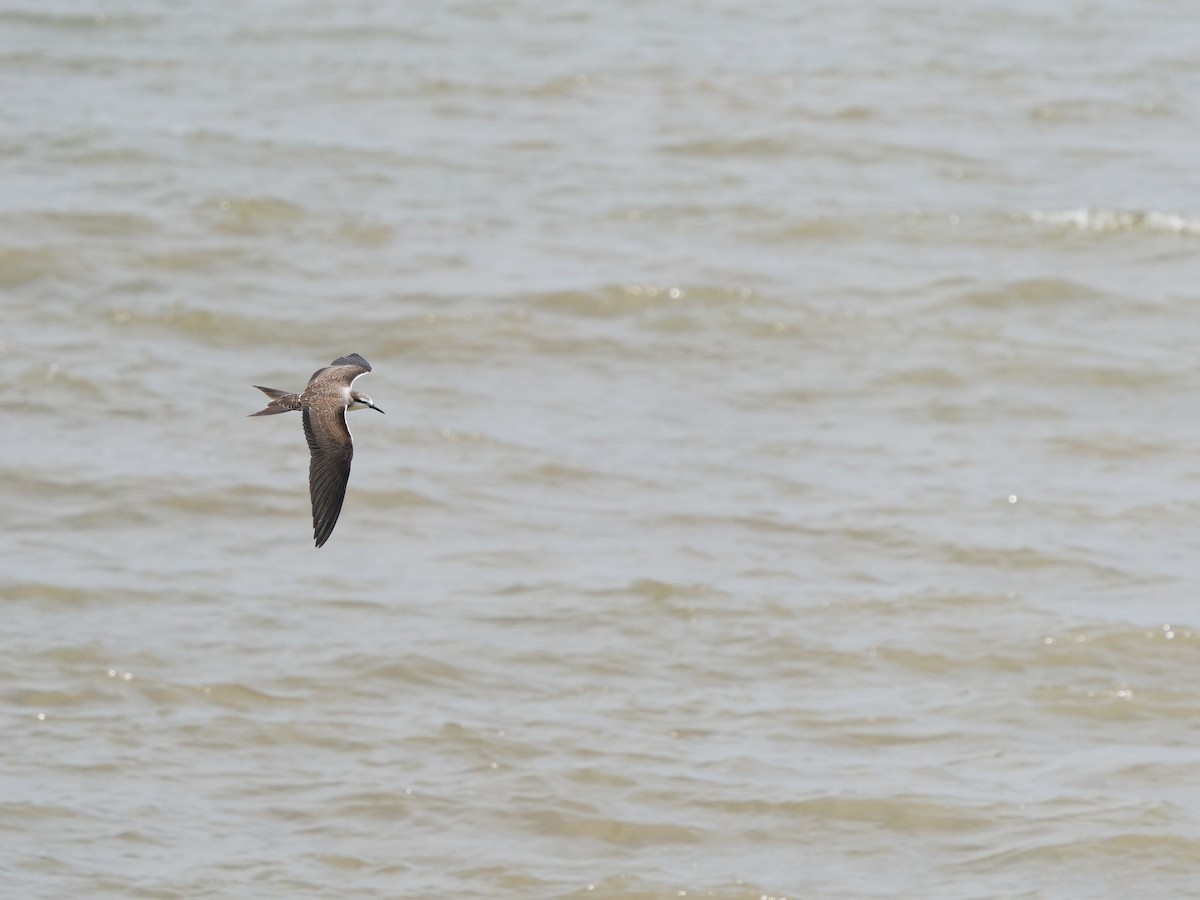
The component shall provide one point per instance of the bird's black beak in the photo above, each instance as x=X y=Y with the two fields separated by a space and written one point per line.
x=377 y=409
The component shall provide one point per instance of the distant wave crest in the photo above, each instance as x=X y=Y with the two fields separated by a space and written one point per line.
x=1114 y=220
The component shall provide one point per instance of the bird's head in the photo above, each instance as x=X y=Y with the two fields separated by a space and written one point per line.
x=361 y=401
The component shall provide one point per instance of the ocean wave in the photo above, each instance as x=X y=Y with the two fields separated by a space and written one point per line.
x=1118 y=220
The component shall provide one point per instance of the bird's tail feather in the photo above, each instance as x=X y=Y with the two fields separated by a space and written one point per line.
x=281 y=402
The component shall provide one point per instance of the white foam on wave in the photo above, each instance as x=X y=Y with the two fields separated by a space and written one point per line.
x=1114 y=220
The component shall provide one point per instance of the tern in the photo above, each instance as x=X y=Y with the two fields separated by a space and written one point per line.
x=323 y=405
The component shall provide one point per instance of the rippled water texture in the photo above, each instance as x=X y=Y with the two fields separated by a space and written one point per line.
x=789 y=485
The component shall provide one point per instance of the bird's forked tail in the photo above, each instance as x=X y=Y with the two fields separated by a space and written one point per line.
x=281 y=402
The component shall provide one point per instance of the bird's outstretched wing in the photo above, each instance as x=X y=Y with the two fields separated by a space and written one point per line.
x=353 y=364
x=332 y=448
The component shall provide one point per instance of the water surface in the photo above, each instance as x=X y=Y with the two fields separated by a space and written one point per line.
x=788 y=486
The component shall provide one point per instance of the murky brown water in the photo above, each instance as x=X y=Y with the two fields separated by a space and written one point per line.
x=790 y=483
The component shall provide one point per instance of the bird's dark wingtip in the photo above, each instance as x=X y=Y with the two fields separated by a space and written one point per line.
x=322 y=533
x=354 y=359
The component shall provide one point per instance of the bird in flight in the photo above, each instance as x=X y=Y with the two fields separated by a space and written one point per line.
x=323 y=406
